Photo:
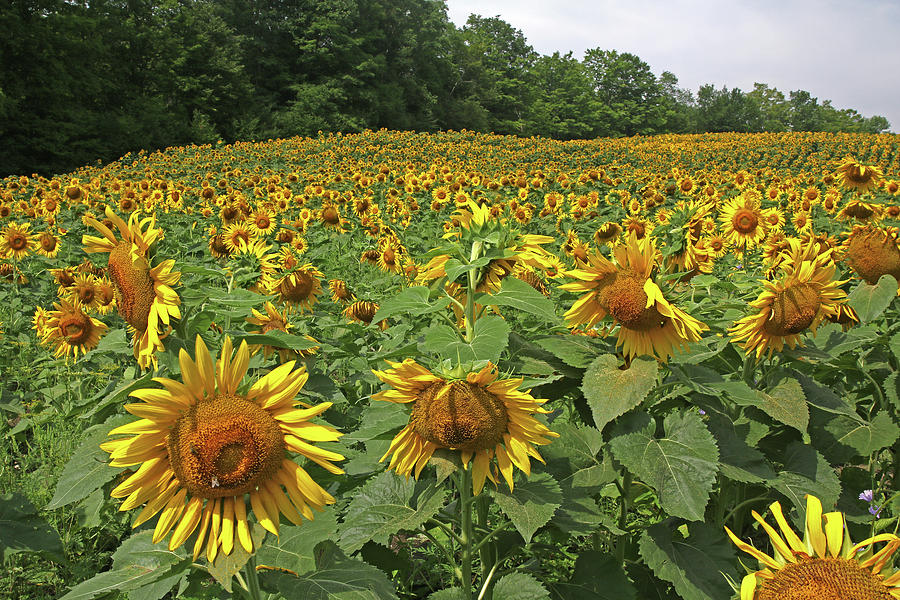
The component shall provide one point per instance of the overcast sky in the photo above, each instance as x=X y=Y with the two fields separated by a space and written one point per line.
x=847 y=52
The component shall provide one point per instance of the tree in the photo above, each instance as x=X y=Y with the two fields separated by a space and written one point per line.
x=565 y=109
x=631 y=99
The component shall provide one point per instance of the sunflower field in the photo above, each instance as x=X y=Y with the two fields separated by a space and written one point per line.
x=455 y=366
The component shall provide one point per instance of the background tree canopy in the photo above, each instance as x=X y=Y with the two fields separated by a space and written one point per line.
x=91 y=81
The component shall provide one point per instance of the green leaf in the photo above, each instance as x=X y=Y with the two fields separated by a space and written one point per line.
x=807 y=472
x=276 y=339
x=786 y=403
x=170 y=566
x=453 y=593
x=114 y=342
x=519 y=295
x=377 y=419
x=224 y=568
x=574 y=350
x=293 y=549
x=598 y=576
x=738 y=460
x=88 y=469
x=520 y=586
x=869 y=301
x=412 y=301
x=23 y=530
x=843 y=438
x=611 y=391
x=454 y=267
x=697 y=565
x=681 y=466
x=128 y=578
x=383 y=506
x=490 y=339
x=335 y=577
x=531 y=504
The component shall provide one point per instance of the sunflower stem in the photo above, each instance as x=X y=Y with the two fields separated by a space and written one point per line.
x=466 y=533
x=252 y=578
x=470 y=293
x=749 y=368
x=624 y=493
x=485 y=549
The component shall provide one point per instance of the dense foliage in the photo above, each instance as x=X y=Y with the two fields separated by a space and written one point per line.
x=87 y=81
x=625 y=351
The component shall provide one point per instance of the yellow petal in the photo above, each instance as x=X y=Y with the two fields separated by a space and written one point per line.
x=240 y=519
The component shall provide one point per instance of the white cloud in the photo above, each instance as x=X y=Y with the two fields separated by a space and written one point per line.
x=846 y=52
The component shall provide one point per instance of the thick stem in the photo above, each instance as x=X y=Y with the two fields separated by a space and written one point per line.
x=252 y=578
x=465 y=535
x=485 y=550
x=470 y=293
x=624 y=506
x=749 y=368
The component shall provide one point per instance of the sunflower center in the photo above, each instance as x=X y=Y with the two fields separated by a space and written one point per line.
x=76 y=328
x=858 y=211
x=627 y=302
x=460 y=415
x=823 y=579
x=225 y=446
x=297 y=288
x=17 y=241
x=48 y=242
x=134 y=287
x=330 y=215
x=873 y=254
x=745 y=221
x=793 y=310
x=85 y=293
x=263 y=222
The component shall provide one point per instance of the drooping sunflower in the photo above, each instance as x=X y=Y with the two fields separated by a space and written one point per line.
x=824 y=564
x=649 y=324
x=48 y=244
x=804 y=295
x=363 y=311
x=203 y=447
x=479 y=415
x=339 y=290
x=272 y=320
x=144 y=294
x=69 y=330
x=872 y=252
x=300 y=287
x=743 y=223
x=858 y=177
x=16 y=242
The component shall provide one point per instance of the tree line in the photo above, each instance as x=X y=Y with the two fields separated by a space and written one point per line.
x=87 y=80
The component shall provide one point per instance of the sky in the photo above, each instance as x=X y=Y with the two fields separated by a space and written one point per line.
x=847 y=52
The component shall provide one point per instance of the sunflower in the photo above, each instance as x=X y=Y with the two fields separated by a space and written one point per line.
x=300 y=287
x=479 y=415
x=649 y=324
x=144 y=294
x=823 y=564
x=330 y=217
x=608 y=233
x=743 y=224
x=84 y=291
x=800 y=299
x=339 y=291
x=236 y=235
x=105 y=295
x=16 y=242
x=48 y=244
x=858 y=177
x=261 y=223
x=271 y=321
x=202 y=446
x=363 y=311
x=872 y=252
x=859 y=210
x=69 y=329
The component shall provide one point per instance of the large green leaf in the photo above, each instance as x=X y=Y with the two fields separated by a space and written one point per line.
x=293 y=549
x=23 y=530
x=88 y=469
x=519 y=586
x=869 y=301
x=842 y=438
x=531 y=504
x=412 y=301
x=611 y=391
x=574 y=350
x=335 y=577
x=384 y=506
x=490 y=338
x=598 y=576
x=277 y=339
x=521 y=296
x=377 y=419
x=786 y=403
x=805 y=472
x=695 y=564
x=226 y=566
x=681 y=466
x=737 y=459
